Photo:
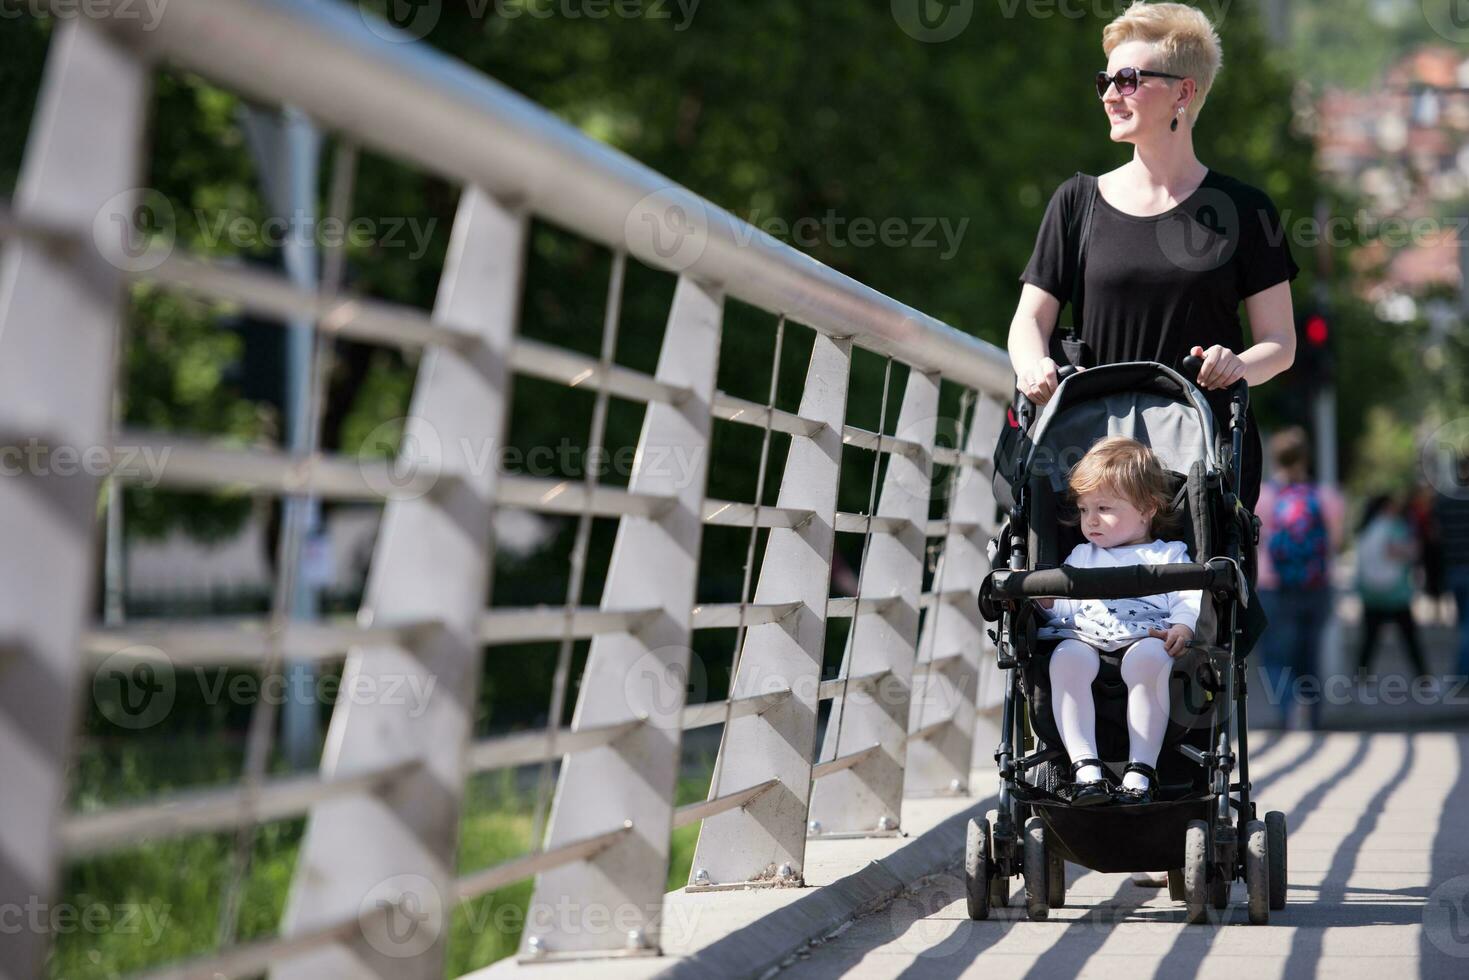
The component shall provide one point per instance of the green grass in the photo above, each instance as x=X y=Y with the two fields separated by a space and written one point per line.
x=488 y=928
x=159 y=903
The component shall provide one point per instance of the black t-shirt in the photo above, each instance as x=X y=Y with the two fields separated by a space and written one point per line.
x=1156 y=286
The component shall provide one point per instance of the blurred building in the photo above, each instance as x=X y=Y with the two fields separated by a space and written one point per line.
x=1402 y=149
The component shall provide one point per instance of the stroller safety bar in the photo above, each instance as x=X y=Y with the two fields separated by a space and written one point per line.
x=1128 y=582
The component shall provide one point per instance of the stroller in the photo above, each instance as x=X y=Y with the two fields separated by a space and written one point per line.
x=1200 y=825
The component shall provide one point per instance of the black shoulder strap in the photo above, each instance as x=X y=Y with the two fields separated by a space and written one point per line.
x=1089 y=200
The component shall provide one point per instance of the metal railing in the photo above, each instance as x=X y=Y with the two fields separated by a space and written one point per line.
x=383 y=813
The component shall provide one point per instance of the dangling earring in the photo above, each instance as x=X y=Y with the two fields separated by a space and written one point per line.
x=1173 y=126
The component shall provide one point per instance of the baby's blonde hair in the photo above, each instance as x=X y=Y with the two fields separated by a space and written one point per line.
x=1186 y=42
x=1125 y=467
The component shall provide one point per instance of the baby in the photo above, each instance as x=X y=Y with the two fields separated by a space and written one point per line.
x=1122 y=499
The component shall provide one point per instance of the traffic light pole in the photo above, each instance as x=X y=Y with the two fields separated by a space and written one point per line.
x=1324 y=405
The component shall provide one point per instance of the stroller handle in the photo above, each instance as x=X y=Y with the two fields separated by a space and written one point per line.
x=1127 y=582
x=1190 y=367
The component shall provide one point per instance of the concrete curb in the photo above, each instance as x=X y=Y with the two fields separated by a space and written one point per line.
x=759 y=947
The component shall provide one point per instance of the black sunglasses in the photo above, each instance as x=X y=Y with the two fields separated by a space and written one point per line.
x=1127 y=80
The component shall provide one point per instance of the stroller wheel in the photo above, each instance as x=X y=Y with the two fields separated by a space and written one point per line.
x=1036 y=869
x=1257 y=872
x=1175 y=885
x=1195 y=870
x=977 y=869
x=1275 y=848
x=1056 y=881
x=999 y=881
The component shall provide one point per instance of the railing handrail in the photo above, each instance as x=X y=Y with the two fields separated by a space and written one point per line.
x=417 y=103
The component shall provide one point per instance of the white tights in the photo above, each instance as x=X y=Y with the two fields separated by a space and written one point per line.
x=1145 y=670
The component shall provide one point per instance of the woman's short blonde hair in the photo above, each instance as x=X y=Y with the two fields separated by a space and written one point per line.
x=1186 y=42
x=1125 y=467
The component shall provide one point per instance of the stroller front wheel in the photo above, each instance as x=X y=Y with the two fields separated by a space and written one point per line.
x=1056 y=885
x=1036 y=867
x=1275 y=847
x=1195 y=872
x=999 y=881
x=977 y=869
x=1257 y=872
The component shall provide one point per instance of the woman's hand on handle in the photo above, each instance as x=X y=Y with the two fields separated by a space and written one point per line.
x=1039 y=381
x=1222 y=366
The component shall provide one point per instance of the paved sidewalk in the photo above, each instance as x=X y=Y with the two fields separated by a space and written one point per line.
x=1379 y=887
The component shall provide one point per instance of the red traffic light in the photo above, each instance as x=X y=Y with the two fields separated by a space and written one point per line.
x=1316 y=330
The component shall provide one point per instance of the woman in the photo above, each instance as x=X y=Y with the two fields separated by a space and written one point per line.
x=1174 y=246
x=1386 y=553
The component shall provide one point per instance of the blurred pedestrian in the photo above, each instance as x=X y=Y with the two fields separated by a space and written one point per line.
x=1387 y=551
x=1452 y=512
x=1422 y=516
x=1300 y=533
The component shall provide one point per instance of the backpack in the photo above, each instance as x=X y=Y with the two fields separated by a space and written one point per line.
x=1298 y=545
x=1383 y=578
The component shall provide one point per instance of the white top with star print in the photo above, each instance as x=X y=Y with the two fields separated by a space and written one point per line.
x=1110 y=624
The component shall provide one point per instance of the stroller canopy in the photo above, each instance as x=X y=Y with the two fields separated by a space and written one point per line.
x=1145 y=400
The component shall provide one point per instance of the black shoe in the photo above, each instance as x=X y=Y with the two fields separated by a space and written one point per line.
x=1088 y=793
x=1125 y=794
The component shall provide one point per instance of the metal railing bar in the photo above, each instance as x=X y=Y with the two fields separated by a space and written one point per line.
x=722 y=615
x=522 y=748
x=840 y=607
x=947 y=597
x=182 y=462
x=211 y=810
x=927 y=670
x=561 y=678
x=948 y=456
x=939 y=529
x=861 y=523
x=693 y=812
x=831 y=688
x=304 y=431
x=235 y=642
x=729 y=513
x=839 y=702
x=257 y=957
x=478 y=883
x=56 y=238
x=531 y=623
x=937 y=664
x=245 y=641
x=571 y=497
x=864 y=439
x=822 y=769
x=732 y=409
x=718 y=712
x=278 y=301
x=929 y=730
x=551 y=363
